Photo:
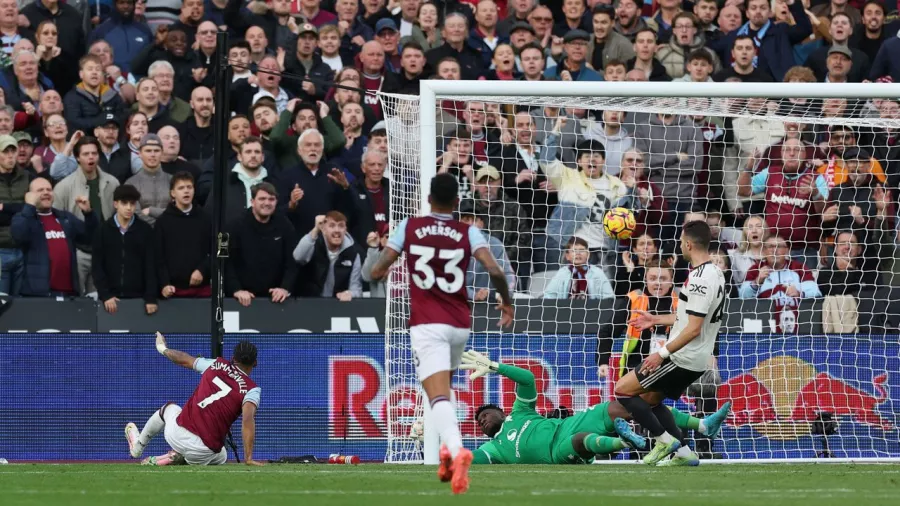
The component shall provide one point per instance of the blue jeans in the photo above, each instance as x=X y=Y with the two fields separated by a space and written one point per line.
x=12 y=265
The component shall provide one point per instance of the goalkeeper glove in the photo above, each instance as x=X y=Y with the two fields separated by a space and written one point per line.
x=478 y=364
x=161 y=344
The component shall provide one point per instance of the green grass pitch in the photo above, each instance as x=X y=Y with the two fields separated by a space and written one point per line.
x=393 y=485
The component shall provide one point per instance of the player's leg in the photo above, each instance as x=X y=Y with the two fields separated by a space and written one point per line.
x=137 y=441
x=633 y=392
x=587 y=445
x=164 y=421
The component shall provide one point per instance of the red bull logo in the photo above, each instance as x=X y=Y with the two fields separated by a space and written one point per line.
x=781 y=396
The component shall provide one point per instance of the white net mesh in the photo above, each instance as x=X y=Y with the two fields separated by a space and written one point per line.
x=801 y=196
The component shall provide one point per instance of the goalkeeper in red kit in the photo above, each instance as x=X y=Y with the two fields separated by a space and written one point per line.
x=197 y=432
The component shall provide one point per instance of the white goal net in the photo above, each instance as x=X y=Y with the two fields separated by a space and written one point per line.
x=800 y=191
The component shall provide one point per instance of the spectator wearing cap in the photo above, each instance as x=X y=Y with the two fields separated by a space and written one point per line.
x=182 y=242
x=478 y=282
x=795 y=197
x=170 y=45
x=196 y=133
x=629 y=20
x=68 y=20
x=503 y=217
x=585 y=194
x=313 y=187
x=260 y=250
x=372 y=196
x=456 y=45
x=578 y=279
x=606 y=44
x=268 y=84
x=353 y=30
x=123 y=263
x=644 y=57
x=387 y=34
x=14 y=182
x=172 y=163
x=24 y=153
x=87 y=184
x=777 y=276
x=151 y=181
x=245 y=173
x=860 y=203
x=573 y=67
x=123 y=31
x=776 y=41
x=871 y=34
x=484 y=35
x=92 y=103
x=331 y=261
x=612 y=135
x=743 y=53
x=305 y=63
x=107 y=135
x=163 y=74
x=311 y=12
x=841 y=31
x=48 y=237
x=148 y=104
x=686 y=38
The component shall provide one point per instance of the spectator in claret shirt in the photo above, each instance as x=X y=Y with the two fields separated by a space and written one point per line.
x=331 y=261
x=183 y=243
x=260 y=261
x=375 y=76
x=123 y=263
x=310 y=11
x=777 y=276
x=47 y=238
x=372 y=196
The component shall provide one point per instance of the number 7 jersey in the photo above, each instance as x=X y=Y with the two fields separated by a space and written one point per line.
x=438 y=251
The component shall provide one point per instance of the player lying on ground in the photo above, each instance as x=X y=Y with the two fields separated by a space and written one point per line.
x=197 y=433
x=438 y=249
x=667 y=372
x=526 y=437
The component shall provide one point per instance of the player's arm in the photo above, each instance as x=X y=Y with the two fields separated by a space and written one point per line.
x=498 y=279
x=643 y=320
x=526 y=390
x=177 y=357
x=248 y=432
x=486 y=454
x=383 y=264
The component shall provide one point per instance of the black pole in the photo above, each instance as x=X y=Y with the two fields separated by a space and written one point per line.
x=219 y=236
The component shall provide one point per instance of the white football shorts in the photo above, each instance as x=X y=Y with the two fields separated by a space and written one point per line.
x=188 y=444
x=437 y=347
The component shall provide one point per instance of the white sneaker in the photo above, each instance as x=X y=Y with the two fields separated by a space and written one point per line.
x=132 y=435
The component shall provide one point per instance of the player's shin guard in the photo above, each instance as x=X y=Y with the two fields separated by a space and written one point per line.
x=684 y=420
x=444 y=419
x=601 y=445
x=667 y=420
x=154 y=425
x=642 y=414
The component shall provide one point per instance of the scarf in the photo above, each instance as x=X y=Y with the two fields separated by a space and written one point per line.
x=248 y=181
x=757 y=39
x=578 y=289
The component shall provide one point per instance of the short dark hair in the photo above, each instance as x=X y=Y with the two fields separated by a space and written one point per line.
x=879 y=3
x=459 y=133
x=446 y=59
x=412 y=44
x=269 y=104
x=179 y=177
x=590 y=147
x=744 y=37
x=444 y=189
x=700 y=54
x=487 y=407
x=263 y=187
x=646 y=29
x=251 y=139
x=698 y=232
x=614 y=63
x=126 y=193
x=609 y=10
x=85 y=141
x=239 y=44
x=577 y=241
x=836 y=14
x=531 y=45
x=303 y=106
x=244 y=353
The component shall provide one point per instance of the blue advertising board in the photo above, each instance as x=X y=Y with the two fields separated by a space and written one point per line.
x=70 y=395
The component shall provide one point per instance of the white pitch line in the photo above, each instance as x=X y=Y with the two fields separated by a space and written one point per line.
x=504 y=470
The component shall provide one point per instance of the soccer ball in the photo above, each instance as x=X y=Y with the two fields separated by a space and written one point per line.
x=619 y=223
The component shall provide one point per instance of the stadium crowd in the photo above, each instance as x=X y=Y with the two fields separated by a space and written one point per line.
x=106 y=145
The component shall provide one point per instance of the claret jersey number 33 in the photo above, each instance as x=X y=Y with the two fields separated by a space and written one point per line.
x=453 y=277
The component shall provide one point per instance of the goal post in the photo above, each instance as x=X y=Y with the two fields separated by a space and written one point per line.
x=809 y=363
